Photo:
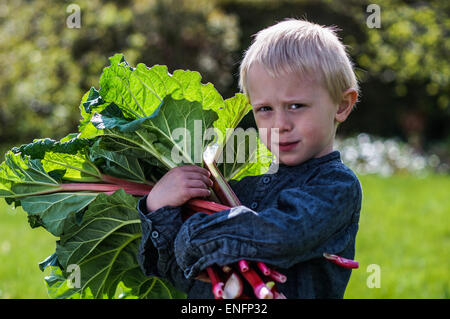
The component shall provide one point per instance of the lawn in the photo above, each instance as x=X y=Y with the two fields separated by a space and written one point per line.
x=404 y=230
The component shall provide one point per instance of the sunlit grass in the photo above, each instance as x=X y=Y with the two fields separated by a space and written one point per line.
x=404 y=228
x=21 y=249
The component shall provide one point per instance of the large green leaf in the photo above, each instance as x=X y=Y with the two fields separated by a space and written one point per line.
x=70 y=144
x=174 y=135
x=22 y=176
x=50 y=211
x=118 y=164
x=69 y=155
x=104 y=246
x=139 y=94
x=138 y=91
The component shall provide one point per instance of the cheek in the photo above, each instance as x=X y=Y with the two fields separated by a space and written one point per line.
x=312 y=129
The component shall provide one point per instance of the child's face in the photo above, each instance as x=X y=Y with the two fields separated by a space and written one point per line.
x=301 y=110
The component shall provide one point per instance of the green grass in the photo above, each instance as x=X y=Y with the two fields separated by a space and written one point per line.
x=21 y=249
x=404 y=228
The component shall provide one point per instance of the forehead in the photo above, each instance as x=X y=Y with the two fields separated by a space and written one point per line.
x=264 y=85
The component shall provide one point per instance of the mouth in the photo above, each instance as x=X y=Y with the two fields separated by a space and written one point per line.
x=287 y=146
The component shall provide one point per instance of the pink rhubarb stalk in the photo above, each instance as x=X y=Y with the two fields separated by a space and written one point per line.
x=264 y=269
x=134 y=190
x=278 y=277
x=217 y=284
x=341 y=261
x=259 y=287
x=243 y=265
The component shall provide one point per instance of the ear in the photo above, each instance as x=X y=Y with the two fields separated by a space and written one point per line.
x=346 y=105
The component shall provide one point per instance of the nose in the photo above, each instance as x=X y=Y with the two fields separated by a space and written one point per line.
x=282 y=122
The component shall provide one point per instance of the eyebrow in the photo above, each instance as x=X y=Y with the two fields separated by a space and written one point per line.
x=300 y=100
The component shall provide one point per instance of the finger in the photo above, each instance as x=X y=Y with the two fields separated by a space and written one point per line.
x=198 y=192
x=196 y=169
x=195 y=183
x=194 y=176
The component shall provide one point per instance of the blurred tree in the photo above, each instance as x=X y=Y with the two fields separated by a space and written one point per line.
x=46 y=66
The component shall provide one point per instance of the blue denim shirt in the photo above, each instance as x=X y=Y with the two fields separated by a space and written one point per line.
x=287 y=220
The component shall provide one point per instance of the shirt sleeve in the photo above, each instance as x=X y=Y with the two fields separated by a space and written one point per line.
x=303 y=223
x=156 y=250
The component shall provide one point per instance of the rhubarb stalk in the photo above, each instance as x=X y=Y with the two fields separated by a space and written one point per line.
x=217 y=284
x=259 y=287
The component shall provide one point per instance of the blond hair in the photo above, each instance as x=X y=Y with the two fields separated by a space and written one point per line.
x=305 y=48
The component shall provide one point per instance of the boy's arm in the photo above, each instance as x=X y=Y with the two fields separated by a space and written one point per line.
x=160 y=215
x=302 y=224
x=156 y=252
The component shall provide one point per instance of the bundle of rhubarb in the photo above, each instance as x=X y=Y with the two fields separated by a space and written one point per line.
x=83 y=189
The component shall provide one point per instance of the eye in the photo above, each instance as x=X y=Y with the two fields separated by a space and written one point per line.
x=296 y=106
x=264 y=109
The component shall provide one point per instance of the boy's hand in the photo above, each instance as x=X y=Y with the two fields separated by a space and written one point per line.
x=178 y=186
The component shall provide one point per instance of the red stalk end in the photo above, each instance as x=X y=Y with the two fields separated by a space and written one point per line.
x=264 y=269
x=341 y=261
x=259 y=288
x=262 y=292
x=243 y=265
x=275 y=275
x=217 y=284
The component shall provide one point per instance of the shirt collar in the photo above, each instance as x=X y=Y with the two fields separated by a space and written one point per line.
x=313 y=162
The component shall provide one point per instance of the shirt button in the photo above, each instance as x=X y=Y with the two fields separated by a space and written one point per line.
x=254 y=205
x=155 y=234
x=266 y=180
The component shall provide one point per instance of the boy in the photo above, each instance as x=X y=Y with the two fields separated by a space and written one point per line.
x=301 y=85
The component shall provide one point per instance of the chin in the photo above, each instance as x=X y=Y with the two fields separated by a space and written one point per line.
x=291 y=160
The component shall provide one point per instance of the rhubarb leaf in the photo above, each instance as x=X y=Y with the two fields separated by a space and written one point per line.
x=138 y=91
x=135 y=92
x=230 y=115
x=22 y=176
x=78 y=167
x=244 y=155
x=174 y=136
x=69 y=155
x=50 y=211
x=117 y=164
x=104 y=247
x=37 y=149
x=91 y=102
